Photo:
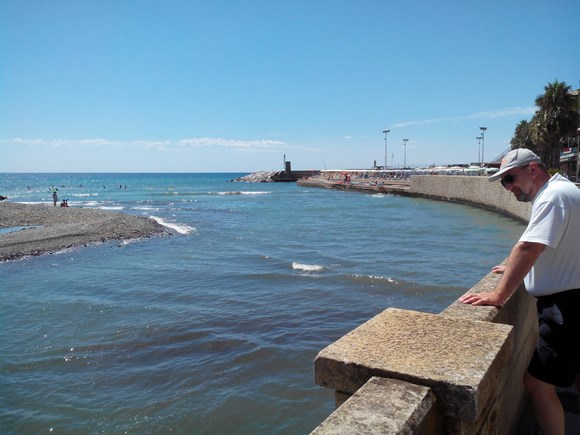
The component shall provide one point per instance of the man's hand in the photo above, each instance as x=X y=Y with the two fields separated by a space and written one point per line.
x=482 y=298
x=498 y=269
x=519 y=263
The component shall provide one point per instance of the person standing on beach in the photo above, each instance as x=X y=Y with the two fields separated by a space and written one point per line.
x=54 y=197
x=546 y=258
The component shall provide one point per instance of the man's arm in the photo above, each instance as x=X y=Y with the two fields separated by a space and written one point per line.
x=519 y=263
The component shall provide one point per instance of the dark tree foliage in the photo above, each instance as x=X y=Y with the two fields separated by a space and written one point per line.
x=523 y=136
x=557 y=118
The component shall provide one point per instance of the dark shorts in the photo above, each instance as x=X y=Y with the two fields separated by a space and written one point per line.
x=556 y=359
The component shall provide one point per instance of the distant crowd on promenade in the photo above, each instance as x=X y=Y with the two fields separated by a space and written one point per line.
x=379 y=175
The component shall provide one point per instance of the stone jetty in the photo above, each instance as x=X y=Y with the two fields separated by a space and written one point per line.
x=258 y=177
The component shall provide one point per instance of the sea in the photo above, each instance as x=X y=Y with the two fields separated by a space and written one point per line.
x=215 y=328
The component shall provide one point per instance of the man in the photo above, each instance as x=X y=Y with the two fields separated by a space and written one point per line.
x=547 y=259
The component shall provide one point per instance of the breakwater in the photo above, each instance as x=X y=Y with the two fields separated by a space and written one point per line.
x=285 y=176
x=459 y=371
x=275 y=176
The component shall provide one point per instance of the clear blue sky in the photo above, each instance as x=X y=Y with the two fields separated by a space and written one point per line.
x=234 y=85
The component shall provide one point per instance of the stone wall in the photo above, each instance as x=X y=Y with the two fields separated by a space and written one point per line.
x=475 y=190
x=456 y=372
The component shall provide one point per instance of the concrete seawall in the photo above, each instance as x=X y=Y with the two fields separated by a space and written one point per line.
x=457 y=372
x=477 y=191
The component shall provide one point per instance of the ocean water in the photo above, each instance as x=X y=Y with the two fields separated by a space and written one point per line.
x=215 y=329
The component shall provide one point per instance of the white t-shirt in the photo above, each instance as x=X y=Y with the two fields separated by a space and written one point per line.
x=555 y=223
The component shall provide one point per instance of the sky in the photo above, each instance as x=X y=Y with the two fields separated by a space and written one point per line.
x=241 y=85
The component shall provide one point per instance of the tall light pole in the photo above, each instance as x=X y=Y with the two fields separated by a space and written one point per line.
x=482 y=143
x=405 y=145
x=577 y=156
x=479 y=149
x=386 y=155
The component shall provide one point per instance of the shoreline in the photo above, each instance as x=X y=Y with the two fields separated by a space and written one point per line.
x=58 y=228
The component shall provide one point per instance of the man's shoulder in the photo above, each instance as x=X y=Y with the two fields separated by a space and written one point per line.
x=558 y=182
x=560 y=189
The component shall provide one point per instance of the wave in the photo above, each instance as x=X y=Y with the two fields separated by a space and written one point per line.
x=372 y=279
x=180 y=228
x=146 y=208
x=239 y=193
x=307 y=267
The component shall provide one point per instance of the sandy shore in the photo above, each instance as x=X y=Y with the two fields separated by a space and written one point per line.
x=58 y=228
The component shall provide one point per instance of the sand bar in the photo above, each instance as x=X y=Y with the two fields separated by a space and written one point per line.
x=57 y=228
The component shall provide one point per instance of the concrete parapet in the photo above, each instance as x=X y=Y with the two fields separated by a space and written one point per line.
x=460 y=360
x=386 y=406
x=519 y=311
x=473 y=367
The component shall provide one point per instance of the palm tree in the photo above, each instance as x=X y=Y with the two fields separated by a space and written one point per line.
x=556 y=118
x=523 y=136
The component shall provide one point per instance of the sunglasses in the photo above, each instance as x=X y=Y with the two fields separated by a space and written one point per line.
x=509 y=179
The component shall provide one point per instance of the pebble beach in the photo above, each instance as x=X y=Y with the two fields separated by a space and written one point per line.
x=50 y=229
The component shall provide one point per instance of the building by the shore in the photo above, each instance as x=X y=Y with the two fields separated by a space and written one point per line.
x=569 y=162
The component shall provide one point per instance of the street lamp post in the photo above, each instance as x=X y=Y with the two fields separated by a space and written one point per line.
x=405 y=145
x=386 y=155
x=577 y=154
x=482 y=143
x=479 y=149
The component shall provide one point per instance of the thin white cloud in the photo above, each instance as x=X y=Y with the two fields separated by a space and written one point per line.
x=59 y=142
x=231 y=143
x=499 y=113
x=503 y=113
x=162 y=145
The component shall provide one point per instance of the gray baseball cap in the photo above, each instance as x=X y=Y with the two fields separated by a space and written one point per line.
x=515 y=159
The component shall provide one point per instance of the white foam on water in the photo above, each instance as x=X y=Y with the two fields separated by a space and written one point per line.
x=307 y=267
x=180 y=228
x=374 y=278
x=146 y=208
x=83 y=194
x=241 y=193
